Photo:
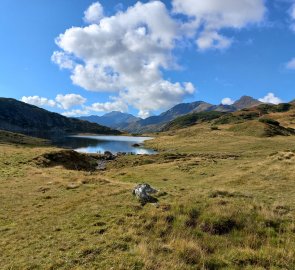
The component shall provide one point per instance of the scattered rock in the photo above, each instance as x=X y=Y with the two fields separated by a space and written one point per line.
x=143 y=191
x=72 y=186
x=108 y=156
x=136 y=145
x=43 y=189
x=101 y=165
x=287 y=156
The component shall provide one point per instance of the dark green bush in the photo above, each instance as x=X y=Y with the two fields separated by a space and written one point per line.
x=269 y=121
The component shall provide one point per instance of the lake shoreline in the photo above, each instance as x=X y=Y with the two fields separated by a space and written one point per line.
x=93 y=144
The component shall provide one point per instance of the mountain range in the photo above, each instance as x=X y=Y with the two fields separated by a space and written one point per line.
x=132 y=124
x=113 y=119
x=17 y=116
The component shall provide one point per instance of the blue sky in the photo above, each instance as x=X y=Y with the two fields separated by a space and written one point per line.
x=183 y=51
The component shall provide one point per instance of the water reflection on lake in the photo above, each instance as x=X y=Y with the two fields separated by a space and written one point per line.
x=100 y=144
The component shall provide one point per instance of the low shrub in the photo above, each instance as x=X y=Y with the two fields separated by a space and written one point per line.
x=219 y=225
x=269 y=121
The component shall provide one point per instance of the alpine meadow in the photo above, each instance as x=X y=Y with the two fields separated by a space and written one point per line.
x=147 y=135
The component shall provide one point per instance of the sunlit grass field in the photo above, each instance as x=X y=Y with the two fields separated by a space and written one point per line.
x=226 y=201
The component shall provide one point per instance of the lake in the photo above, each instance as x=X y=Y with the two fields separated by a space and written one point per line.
x=100 y=144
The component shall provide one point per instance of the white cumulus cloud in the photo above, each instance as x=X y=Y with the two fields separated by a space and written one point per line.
x=209 y=17
x=126 y=54
x=62 y=60
x=70 y=100
x=38 y=101
x=61 y=101
x=271 y=98
x=94 y=13
x=227 y=101
x=114 y=105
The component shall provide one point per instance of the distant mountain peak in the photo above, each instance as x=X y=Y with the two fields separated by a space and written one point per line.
x=114 y=119
x=115 y=113
x=246 y=102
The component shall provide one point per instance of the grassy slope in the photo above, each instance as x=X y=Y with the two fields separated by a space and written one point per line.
x=191 y=119
x=226 y=202
x=7 y=137
x=17 y=116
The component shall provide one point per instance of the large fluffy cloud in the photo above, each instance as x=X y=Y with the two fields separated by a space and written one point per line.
x=126 y=54
x=210 y=16
x=271 y=98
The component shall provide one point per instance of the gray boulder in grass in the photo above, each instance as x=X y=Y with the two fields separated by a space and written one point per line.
x=143 y=191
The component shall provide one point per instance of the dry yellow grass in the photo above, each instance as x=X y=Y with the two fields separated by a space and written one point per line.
x=226 y=202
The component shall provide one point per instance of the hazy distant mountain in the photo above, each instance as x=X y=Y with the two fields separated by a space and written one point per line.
x=117 y=120
x=246 y=102
x=156 y=123
x=178 y=110
x=220 y=108
x=17 y=116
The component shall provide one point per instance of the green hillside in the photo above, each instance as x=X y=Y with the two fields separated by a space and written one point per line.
x=20 y=117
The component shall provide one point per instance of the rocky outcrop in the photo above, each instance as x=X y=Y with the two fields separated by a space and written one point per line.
x=143 y=193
